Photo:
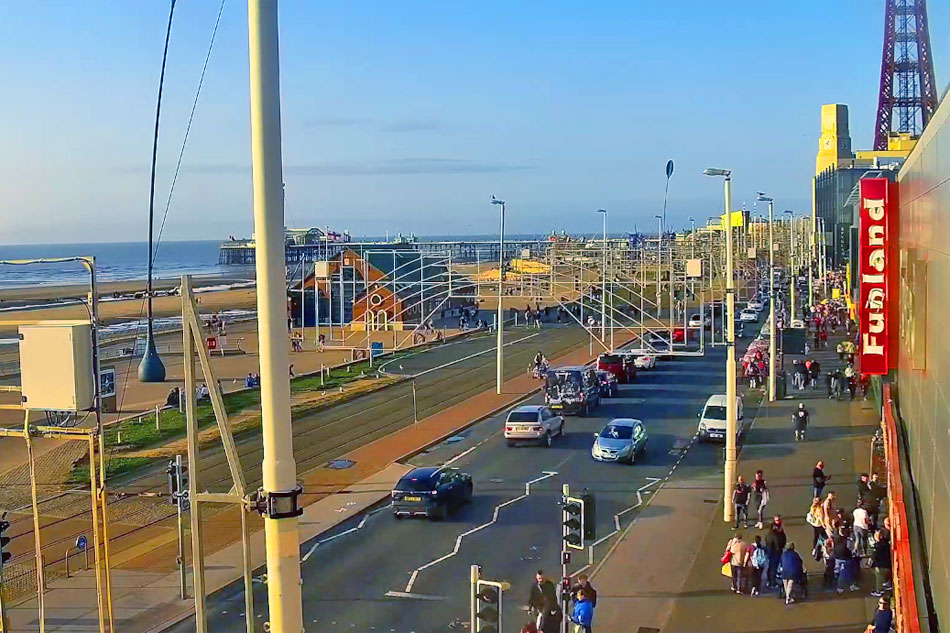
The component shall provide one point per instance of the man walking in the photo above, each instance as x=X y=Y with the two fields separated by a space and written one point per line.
x=760 y=497
x=583 y=582
x=792 y=571
x=740 y=501
x=819 y=478
x=774 y=545
x=542 y=591
x=800 y=421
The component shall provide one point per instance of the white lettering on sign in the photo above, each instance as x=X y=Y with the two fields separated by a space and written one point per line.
x=873 y=272
x=875 y=209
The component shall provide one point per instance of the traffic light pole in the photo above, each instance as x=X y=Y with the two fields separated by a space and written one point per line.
x=565 y=557
x=182 y=573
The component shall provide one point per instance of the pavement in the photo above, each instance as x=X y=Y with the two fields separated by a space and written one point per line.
x=148 y=600
x=664 y=575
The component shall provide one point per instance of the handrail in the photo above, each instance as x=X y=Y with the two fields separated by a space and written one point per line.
x=905 y=593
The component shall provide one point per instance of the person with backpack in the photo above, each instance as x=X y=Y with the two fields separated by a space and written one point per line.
x=800 y=421
x=759 y=574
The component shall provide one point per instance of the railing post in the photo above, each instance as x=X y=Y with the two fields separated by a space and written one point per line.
x=67 y=562
x=43 y=570
x=157 y=425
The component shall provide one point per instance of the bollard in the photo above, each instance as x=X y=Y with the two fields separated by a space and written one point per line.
x=321 y=375
x=67 y=562
x=157 y=410
x=118 y=437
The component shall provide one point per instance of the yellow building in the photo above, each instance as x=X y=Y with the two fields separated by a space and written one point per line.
x=835 y=141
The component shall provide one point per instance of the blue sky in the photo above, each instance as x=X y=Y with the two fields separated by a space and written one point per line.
x=407 y=116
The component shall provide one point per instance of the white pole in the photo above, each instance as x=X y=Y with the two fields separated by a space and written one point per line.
x=282 y=545
x=729 y=476
x=603 y=285
x=499 y=354
x=771 y=311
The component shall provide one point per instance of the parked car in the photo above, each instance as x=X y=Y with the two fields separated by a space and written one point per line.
x=712 y=419
x=621 y=440
x=533 y=423
x=617 y=364
x=432 y=492
x=573 y=389
x=609 y=386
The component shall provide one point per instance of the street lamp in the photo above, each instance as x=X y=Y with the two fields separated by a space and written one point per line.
x=659 y=264
x=764 y=198
x=499 y=358
x=729 y=476
x=603 y=285
x=791 y=265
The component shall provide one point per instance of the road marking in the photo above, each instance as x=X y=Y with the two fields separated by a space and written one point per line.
x=545 y=475
x=360 y=526
x=412 y=596
x=458 y=541
x=460 y=455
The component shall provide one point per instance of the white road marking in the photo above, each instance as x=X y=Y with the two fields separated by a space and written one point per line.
x=359 y=526
x=412 y=596
x=470 y=356
x=460 y=455
x=458 y=541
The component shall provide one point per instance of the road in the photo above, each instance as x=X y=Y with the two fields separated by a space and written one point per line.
x=510 y=534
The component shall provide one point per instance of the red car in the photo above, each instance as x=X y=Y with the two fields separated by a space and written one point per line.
x=620 y=366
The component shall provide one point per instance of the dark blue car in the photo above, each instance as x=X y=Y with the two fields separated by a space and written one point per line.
x=433 y=492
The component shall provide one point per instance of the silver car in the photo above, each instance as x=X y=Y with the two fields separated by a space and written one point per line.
x=620 y=441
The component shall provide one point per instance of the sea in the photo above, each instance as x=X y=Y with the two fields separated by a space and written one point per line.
x=115 y=261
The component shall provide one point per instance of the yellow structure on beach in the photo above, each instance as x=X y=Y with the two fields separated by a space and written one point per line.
x=517 y=268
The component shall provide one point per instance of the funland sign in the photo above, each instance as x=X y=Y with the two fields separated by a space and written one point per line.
x=875 y=267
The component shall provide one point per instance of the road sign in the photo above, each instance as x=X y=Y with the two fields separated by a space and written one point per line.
x=81 y=543
x=212 y=342
x=107 y=383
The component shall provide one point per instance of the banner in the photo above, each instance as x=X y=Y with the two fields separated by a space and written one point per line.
x=738 y=219
x=874 y=269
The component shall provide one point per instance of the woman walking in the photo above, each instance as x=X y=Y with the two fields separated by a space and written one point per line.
x=760 y=496
x=813 y=518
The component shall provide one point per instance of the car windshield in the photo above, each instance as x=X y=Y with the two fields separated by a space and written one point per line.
x=715 y=412
x=563 y=383
x=523 y=416
x=694 y=317
x=610 y=359
x=418 y=484
x=616 y=432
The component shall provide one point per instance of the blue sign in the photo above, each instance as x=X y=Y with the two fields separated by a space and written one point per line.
x=81 y=543
x=376 y=349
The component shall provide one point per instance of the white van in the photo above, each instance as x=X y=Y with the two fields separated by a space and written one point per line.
x=712 y=419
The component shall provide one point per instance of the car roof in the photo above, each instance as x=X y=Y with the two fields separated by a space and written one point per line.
x=624 y=422
x=718 y=400
x=423 y=472
x=568 y=368
x=528 y=408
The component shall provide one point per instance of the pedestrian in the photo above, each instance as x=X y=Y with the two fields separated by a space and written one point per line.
x=877 y=492
x=583 y=613
x=793 y=570
x=550 y=617
x=815 y=371
x=740 y=501
x=760 y=496
x=840 y=349
x=775 y=542
x=829 y=379
x=540 y=590
x=819 y=479
x=759 y=560
x=291 y=369
x=828 y=514
x=863 y=486
x=883 y=617
x=737 y=551
x=862 y=529
x=843 y=556
x=881 y=562
x=824 y=338
x=583 y=582
x=249 y=381
x=813 y=518
x=800 y=421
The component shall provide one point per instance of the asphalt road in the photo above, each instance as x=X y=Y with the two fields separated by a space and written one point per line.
x=347 y=579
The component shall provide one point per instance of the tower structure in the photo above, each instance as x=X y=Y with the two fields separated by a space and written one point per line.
x=908 y=96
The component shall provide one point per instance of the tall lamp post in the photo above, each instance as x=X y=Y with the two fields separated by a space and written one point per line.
x=764 y=198
x=791 y=264
x=603 y=284
x=729 y=476
x=499 y=357
x=659 y=264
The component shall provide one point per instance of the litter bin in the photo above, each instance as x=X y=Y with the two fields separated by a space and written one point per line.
x=376 y=348
x=781 y=385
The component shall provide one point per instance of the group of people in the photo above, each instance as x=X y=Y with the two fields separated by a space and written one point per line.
x=764 y=564
x=544 y=606
x=252 y=380
x=843 y=539
x=539 y=366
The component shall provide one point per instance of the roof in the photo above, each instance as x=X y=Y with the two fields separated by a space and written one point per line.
x=568 y=368
x=423 y=472
x=718 y=400
x=528 y=408
x=625 y=421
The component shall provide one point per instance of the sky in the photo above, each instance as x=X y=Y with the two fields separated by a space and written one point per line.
x=407 y=116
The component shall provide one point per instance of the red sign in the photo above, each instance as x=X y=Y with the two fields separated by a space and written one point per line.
x=212 y=342
x=875 y=266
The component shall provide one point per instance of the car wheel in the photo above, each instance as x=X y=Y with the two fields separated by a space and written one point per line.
x=548 y=440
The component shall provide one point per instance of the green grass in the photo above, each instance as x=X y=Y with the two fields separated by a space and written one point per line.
x=115 y=466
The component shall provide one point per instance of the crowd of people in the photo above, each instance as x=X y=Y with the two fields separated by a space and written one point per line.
x=545 y=608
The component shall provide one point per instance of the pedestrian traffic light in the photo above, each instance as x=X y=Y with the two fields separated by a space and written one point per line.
x=573 y=522
x=172 y=472
x=4 y=541
x=488 y=606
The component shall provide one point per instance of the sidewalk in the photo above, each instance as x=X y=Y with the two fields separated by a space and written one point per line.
x=664 y=575
x=148 y=601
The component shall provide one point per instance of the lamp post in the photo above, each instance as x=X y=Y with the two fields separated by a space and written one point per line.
x=764 y=198
x=603 y=284
x=659 y=264
x=499 y=357
x=791 y=265
x=729 y=475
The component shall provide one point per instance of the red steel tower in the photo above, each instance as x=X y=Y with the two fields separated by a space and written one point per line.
x=908 y=90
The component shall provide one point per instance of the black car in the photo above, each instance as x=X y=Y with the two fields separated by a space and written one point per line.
x=432 y=492
x=608 y=384
x=574 y=389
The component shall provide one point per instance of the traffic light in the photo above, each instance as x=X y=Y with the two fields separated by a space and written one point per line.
x=573 y=522
x=4 y=541
x=177 y=480
x=488 y=606
x=590 y=515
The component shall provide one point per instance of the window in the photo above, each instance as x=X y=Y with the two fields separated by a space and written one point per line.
x=715 y=412
x=414 y=484
x=617 y=432
x=638 y=431
x=523 y=416
x=546 y=413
